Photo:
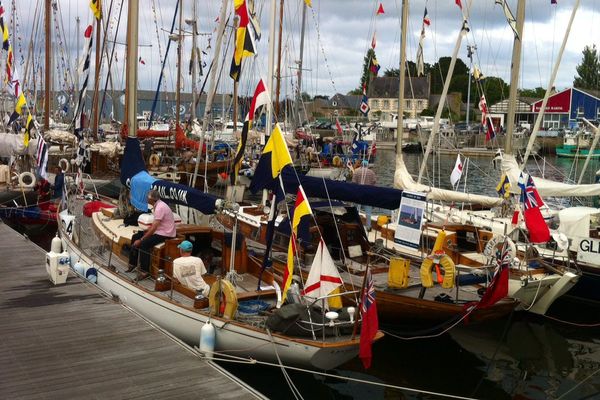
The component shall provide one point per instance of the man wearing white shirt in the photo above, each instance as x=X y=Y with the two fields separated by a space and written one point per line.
x=189 y=269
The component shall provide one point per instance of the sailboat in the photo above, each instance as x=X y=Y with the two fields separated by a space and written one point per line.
x=306 y=338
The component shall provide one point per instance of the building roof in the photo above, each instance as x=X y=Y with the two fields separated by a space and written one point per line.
x=348 y=101
x=594 y=93
x=388 y=86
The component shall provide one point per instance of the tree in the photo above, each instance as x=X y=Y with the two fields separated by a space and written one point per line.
x=411 y=70
x=588 y=72
x=536 y=93
x=495 y=90
x=305 y=96
x=439 y=71
x=365 y=79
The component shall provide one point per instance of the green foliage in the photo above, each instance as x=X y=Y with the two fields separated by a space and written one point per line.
x=495 y=90
x=365 y=78
x=321 y=96
x=427 y=113
x=440 y=69
x=536 y=93
x=588 y=72
x=357 y=91
x=411 y=70
x=305 y=96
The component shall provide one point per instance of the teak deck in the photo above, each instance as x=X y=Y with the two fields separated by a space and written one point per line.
x=70 y=341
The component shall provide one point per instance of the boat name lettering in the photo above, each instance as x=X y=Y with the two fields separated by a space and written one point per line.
x=591 y=246
x=172 y=193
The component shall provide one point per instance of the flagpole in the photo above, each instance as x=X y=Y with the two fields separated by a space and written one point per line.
x=272 y=20
x=362 y=290
x=47 y=75
x=514 y=79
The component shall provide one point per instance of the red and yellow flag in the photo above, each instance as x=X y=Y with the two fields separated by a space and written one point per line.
x=96 y=8
x=301 y=209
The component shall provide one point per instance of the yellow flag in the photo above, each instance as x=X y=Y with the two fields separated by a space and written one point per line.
x=96 y=8
x=280 y=155
x=28 y=128
x=308 y=2
x=21 y=102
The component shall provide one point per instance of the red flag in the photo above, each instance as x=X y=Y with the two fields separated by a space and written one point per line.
x=374 y=41
x=498 y=287
x=142 y=61
x=515 y=218
x=426 y=19
x=370 y=323
x=338 y=127
x=459 y=4
x=534 y=221
x=380 y=9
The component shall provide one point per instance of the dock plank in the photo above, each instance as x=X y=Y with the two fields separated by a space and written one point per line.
x=70 y=341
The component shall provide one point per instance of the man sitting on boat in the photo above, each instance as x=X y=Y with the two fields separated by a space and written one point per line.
x=365 y=176
x=162 y=228
x=189 y=269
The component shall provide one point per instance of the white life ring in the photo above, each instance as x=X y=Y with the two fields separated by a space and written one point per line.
x=498 y=240
x=27 y=175
x=66 y=163
x=154 y=160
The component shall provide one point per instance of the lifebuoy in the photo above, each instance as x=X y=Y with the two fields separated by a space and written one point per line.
x=66 y=162
x=497 y=240
x=436 y=260
x=154 y=160
x=28 y=175
x=336 y=161
x=222 y=299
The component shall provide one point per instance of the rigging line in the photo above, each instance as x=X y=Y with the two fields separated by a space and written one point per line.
x=112 y=53
x=578 y=384
x=287 y=377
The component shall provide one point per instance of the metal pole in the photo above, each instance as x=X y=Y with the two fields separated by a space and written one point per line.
x=77 y=22
x=95 y=115
x=47 y=75
x=195 y=59
x=179 y=49
x=271 y=65
x=300 y=64
x=402 y=77
x=470 y=50
x=278 y=88
x=131 y=71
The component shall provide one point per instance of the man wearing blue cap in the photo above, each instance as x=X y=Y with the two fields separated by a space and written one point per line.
x=188 y=270
x=365 y=176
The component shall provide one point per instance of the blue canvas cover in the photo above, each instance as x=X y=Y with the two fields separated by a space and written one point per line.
x=140 y=186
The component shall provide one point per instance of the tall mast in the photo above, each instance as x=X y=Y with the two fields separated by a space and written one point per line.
x=179 y=49
x=47 y=75
x=278 y=89
x=272 y=20
x=402 y=73
x=77 y=22
x=300 y=64
x=95 y=97
x=514 y=78
x=211 y=87
x=131 y=71
x=195 y=58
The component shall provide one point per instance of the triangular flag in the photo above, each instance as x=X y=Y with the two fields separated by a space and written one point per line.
x=380 y=9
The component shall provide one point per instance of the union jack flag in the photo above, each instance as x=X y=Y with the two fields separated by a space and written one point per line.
x=530 y=196
x=368 y=295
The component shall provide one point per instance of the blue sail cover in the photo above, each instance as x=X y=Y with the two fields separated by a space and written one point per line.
x=376 y=196
x=170 y=192
x=140 y=185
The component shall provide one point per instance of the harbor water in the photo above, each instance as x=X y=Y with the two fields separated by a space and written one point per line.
x=521 y=357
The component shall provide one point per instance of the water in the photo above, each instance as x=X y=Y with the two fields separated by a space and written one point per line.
x=520 y=357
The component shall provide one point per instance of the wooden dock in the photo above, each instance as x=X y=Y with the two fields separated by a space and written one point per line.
x=70 y=341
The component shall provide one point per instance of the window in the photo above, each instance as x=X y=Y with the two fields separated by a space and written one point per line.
x=386 y=104
x=580 y=112
x=408 y=104
x=598 y=114
x=551 y=121
x=420 y=104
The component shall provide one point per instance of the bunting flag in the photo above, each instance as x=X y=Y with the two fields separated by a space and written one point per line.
x=308 y=3
x=338 y=127
x=364 y=103
x=420 y=59
x=245 y=37
x=274 y=158
x=374 y=40
x=96 y=8
x=374 y=66
x=498 y=287
x=459 y=4
x=510 y=18
x=78 y=116
x=4 y=29
x=380 y=9
x=370 y=322
x=301 y=209
x=261 y=97
x=534 y=221
x=426 y=19
x=42 y=157
x=323 y=277
x=141 y=61
x=503 y=188
x=21 y=103
x=553 y=2
x=486 y=120
x=28 y=127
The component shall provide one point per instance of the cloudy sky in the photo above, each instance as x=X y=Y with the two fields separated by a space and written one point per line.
x=338 y=33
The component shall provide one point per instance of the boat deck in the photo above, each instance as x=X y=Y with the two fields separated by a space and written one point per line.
x=70 y=341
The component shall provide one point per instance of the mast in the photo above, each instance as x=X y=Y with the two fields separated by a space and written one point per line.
x=402 y=73
x=95 y=116
x=77 y=22
x=131 y=69
x=211 y=87
x=438 y=114
x=272 y=20
x=514 y=78
x=278 y=89
x=540 y=116
x=47 y=75
x=300 y=62
x=179 y=48
x=195 y=58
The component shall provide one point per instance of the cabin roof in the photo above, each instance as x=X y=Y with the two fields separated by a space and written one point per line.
x=388 y=87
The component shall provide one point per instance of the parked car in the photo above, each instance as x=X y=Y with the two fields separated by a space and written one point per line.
x=464 y=129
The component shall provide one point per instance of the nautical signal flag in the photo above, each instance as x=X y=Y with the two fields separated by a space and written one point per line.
x=28 y=128
x=364 y=103
x=426 y=19
x=374 y=66
x=380 y=9
x=503 y=188
x=21 y=102
x=96 y=8
x=457 y=171
x=486 y=121
x=534 y=221
x=459 y=4
x=244 y=38
x=338 y=127
x=141 y=61
x=301 y=209
x=261 y=97
x=274 y=158
x=308 y=2
x=370 y=322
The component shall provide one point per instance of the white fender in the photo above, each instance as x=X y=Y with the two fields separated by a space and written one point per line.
x=497 y=240
x=27 y=175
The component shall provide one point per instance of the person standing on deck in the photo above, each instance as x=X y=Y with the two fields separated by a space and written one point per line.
x=365 y=176
x=59 y=182
x=162 y=228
